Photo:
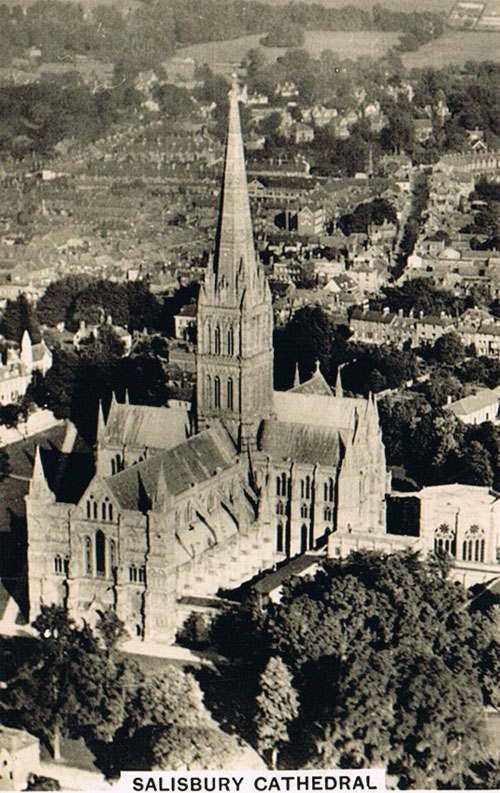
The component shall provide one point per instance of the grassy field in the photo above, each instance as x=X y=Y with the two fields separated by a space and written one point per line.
x=455 y=47
x=398 y=5
x=347 y=45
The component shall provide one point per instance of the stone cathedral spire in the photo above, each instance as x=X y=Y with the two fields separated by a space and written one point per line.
x=234 y=349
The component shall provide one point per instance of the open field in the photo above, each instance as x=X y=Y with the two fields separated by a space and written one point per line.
x=397 y=5
x=455 y=47
x=347 y=45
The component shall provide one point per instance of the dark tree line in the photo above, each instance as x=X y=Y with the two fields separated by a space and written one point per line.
x=72 y=681
x=373 y=661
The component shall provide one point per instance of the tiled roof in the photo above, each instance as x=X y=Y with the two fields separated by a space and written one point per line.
x=145 y=426
x=316 y=409
x=301 y=442
x=294 y=567
x=488 y=397
x=185 y=465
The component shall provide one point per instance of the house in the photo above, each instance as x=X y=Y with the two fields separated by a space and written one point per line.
x=311 y=220
x=185 y=323
x=302 y=133
x=423 y=129
x=19 y=758
x=476 y=408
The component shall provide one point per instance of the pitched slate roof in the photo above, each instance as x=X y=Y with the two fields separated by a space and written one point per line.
x=301 y=443
x=487 y=397
x=187 y=464
x=145 y=426
x=318 y=410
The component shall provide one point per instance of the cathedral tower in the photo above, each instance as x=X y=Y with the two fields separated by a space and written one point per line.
x=235 y=320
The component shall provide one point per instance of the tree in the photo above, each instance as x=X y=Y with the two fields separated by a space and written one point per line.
x=68 y=685
x=449 y=348
x=55 y=304
x=277 y=706
x=112 y=629
x=377 y=643
x=17 y=317
x=178 y=747
x=5 y=466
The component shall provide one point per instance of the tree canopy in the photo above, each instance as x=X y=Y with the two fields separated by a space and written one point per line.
x=390 y=666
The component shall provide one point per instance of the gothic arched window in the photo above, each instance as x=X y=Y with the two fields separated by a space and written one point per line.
x=230 y=341
x=112 y=555
x=208 y=392
x=473 y=544
x=281 y=485
x=87 y=546
x=217 y=392
x=327 y=513
x=445 y=540
x=280 y=508
x=303 y=539
x=100 y=553
x=229 y=393
x=279 y=537
x=303 y=511
x=58 y=564
x=308 y=487
x=329 y=490
x=132 y=574
x=217 y=340
x=142 y=574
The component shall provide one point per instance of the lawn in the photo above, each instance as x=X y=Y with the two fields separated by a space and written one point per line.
x=455 y=47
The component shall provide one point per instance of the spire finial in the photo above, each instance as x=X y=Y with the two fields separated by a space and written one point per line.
x=317 y=370
x=39 y=487
x=339 y=391
x=101 y=424
x=296 y=379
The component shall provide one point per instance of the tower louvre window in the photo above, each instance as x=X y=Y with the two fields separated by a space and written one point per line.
x=217 y=340
x=230 y=342
x=217 y=392
x=230 y=393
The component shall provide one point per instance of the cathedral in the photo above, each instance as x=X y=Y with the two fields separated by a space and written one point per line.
x=185 y=503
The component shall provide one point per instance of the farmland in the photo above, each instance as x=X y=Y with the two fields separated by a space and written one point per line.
x=455 y=47
x=347 y=45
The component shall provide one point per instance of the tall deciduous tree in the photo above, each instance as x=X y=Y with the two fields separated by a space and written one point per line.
x=277 y=707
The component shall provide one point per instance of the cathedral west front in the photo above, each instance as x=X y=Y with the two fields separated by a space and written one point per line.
x=183 y=504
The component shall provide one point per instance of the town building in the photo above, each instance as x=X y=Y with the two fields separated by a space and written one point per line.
x=17 y=369
x=19 y=758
